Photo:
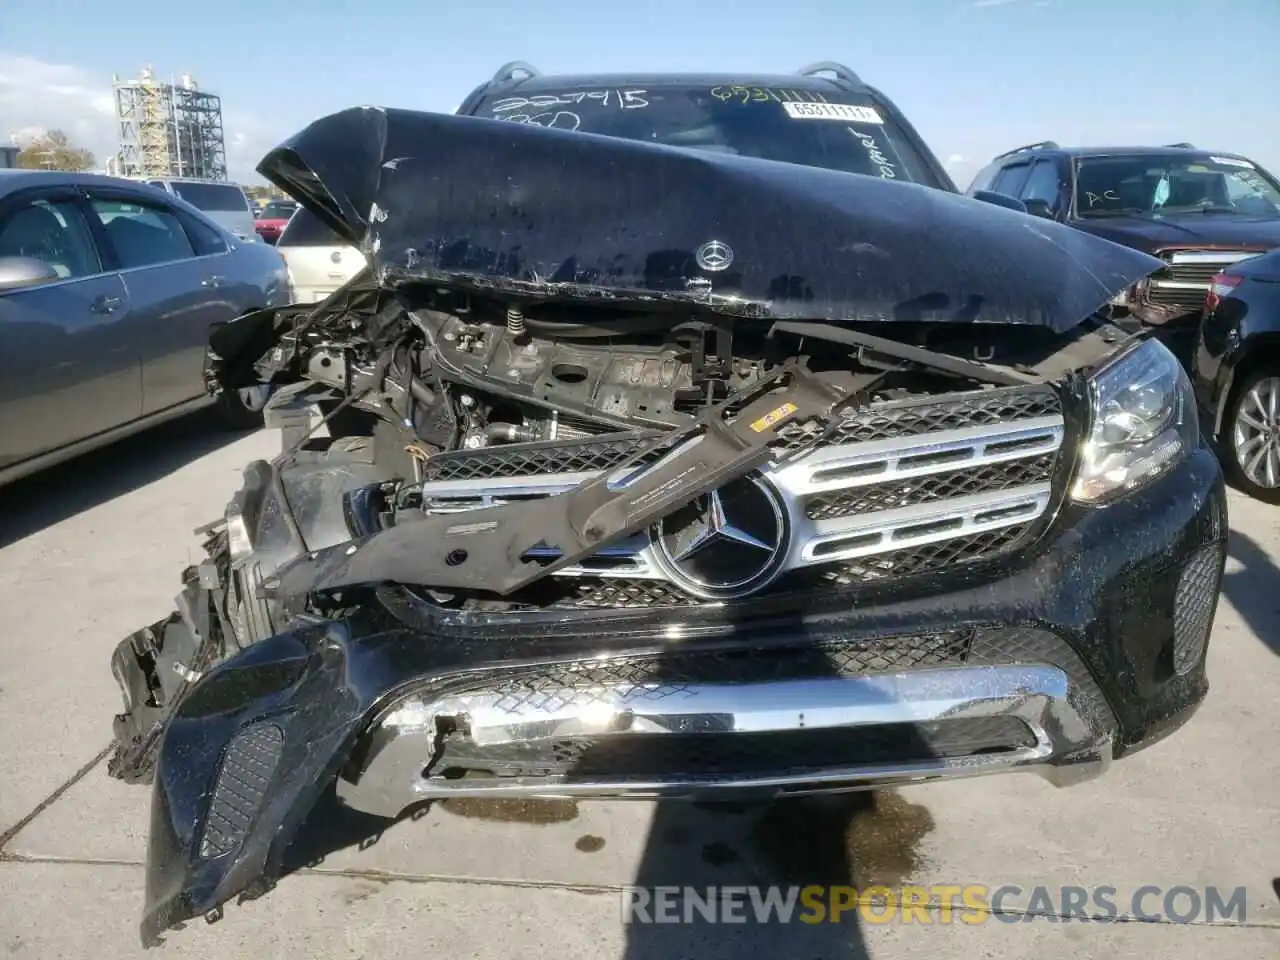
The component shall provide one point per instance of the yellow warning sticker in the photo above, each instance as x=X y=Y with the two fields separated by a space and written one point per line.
x=774 y=417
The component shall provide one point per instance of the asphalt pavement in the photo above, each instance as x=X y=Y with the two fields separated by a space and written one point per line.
x=92 y=551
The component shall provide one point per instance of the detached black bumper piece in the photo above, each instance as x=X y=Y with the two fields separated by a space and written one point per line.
x=1088 y=644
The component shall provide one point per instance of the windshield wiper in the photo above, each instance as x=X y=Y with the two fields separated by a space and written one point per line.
x=1124 y=212
x=1215 y=208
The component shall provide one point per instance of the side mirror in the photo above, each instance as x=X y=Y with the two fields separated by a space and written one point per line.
x=1000 y=200
x=18 y=273
x=1038 y=208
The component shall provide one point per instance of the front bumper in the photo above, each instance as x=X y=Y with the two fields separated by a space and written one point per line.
x=624 y=739
x=1087 y=645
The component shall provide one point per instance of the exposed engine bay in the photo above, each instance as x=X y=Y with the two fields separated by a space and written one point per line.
x=470 y=376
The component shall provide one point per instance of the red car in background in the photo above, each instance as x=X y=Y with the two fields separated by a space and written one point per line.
x=269 y=223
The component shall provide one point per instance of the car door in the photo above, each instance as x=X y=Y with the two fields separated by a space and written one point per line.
x=67 y=369
x=175 y=292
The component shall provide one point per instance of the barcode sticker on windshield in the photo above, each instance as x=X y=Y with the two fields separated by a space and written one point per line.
x=1232 y=162
x=846 y=112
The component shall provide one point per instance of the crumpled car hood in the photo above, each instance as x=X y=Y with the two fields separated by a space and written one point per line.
x=533 y=213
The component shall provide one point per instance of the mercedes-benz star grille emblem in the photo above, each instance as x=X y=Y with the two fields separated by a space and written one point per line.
x=714 y=256
x=726 y=544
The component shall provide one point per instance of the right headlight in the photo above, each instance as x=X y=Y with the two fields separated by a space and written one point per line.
x=1144 y=421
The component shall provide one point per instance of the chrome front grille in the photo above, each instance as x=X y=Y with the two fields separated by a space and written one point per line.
x=896 y=489
x=1185 y=281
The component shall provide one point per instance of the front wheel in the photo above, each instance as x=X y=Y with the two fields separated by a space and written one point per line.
x=242 y=409
x=1250 y=440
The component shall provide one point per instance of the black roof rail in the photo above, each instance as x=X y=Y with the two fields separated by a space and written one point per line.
x=843 y=73
x=1042 y=145
x=1182 y=145
x=508 y=71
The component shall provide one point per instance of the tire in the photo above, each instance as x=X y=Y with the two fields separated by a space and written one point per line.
x=1251 y=427
x=242 y=409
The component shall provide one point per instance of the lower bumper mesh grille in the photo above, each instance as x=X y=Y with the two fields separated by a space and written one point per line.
x=844 y=658
x=246 y=772
x=1193 y=608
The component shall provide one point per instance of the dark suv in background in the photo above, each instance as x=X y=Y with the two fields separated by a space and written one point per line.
x=1198 y=210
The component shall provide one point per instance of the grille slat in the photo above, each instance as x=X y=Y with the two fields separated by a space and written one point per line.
x=929 y=488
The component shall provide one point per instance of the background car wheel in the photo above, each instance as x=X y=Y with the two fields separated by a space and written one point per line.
x=242 y=409
x=1250 y=441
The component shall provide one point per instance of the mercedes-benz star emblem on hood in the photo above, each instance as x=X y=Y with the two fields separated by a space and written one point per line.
x=714 y=256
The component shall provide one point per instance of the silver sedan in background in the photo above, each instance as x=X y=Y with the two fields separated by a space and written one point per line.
x=108 y=289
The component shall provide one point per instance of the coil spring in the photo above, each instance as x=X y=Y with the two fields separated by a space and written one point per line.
x=515 y=322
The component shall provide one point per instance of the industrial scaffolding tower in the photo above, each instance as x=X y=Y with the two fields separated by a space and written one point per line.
x=169 y=129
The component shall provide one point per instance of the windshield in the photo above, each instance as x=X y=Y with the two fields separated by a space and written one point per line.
x=216 y=197
x=1155 y=185
x=795 y=126
x=277 y=210
x=305 y=230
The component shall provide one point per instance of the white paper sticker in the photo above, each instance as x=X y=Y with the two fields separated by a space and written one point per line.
x=846 y=112
x=1232 y=162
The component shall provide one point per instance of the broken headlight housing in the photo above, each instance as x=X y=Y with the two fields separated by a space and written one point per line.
x=1144 y=421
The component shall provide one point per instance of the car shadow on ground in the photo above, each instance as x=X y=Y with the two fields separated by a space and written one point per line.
x=1253 y=590
x=59 y=493
x=850 y=841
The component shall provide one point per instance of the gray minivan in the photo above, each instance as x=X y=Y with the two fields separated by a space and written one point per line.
x=223 y=203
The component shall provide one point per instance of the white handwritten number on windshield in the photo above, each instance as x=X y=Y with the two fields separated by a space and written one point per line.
x=622 y=99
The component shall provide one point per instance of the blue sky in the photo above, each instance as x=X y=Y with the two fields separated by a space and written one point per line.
x=975 y=76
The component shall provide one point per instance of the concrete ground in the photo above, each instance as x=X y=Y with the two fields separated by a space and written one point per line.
x=94 y=551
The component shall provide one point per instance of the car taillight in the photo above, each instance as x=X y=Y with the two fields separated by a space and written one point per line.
x=1220 y=286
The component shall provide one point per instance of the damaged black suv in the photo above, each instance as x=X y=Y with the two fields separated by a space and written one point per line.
x=666 y=462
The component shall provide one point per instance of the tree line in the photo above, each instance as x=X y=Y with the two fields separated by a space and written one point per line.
x=54 y=151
